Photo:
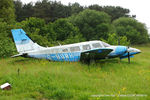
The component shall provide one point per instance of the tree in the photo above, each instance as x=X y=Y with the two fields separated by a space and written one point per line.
x=96 y=7
x=51 y=11
x=135 y=31
x=18 y=10
x=27 y=11
x=114 y=12
x=32 y=23
x=7 y=12
x=42 y=10
x=114 y=39
x=76 y=8
x=65 y=30
x=35 y=28
x=48 y=32
x=7 y=47
x=92 y=24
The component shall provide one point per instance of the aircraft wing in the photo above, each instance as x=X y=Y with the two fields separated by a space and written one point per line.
x=95 y=54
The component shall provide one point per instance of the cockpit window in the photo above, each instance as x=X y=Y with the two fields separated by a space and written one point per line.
x=76 y=48
x=105 y=44
x=96 y=45
x=86 y=47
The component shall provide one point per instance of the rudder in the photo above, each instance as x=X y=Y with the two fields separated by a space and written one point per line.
x=22 y=41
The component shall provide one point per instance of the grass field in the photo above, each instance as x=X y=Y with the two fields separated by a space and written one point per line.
x=44 y=80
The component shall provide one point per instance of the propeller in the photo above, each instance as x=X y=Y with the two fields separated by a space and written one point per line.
x=128 y=56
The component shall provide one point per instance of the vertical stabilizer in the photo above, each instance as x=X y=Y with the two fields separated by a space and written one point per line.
x=23 y=42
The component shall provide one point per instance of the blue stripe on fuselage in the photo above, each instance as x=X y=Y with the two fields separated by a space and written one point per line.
x=59 y=56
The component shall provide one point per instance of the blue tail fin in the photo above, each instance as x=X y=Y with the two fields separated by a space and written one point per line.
x=22 y=41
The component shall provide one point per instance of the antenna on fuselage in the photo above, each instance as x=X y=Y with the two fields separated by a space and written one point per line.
x=59 y=43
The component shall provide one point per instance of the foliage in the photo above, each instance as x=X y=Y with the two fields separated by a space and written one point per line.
x=46 y=23
x=7 y=12
x=74 y=39
x=113 y=39
x=64 y=30
x=7 y=47
x=135 y=31
x=42 y=79
x=50 y=11
x=48 y=32
x=45 y=9
x=92 y=24
x=38 y=31
x=76 y=8
x=31 y=24
x=41 y=40
x=114 y=12
x=18 y=5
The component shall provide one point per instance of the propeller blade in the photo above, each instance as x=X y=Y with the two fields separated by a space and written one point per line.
x=128 y=57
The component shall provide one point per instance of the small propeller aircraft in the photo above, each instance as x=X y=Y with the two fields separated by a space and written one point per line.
x=72 y=52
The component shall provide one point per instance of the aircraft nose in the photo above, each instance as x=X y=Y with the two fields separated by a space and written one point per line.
x=133 y=50
x=120 y=50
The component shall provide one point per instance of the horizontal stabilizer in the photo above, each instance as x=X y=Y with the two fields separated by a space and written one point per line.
x=22 y=55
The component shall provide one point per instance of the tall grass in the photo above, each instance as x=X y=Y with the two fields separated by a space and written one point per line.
x=44 y=80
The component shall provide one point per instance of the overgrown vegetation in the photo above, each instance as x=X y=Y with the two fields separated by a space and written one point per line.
x=47 y=22
x=41 y=79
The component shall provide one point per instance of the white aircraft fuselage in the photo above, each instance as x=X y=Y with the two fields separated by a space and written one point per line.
x=71 y=52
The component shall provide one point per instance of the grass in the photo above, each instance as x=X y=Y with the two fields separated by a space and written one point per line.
x=44 y=80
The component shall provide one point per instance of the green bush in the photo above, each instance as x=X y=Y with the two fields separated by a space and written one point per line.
x=135 y=31
x=66 y=32
x=92 y=24
x=113 y=39
x=7 y=47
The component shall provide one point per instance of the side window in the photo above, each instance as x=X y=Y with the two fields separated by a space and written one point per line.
x=96 y=45
x=55 y=50
x=105 y=44
x=76 y=48
x=65 y=50
x=86 y=47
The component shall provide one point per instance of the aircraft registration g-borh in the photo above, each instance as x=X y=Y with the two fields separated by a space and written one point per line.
x=72 y=52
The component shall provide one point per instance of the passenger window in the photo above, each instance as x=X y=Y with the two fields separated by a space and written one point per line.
x=76 y=48
x=86 y=47
x=55 y=50
x=96 y=45
x=65 y=50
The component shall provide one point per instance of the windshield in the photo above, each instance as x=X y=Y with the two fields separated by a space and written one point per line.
x=105 y=44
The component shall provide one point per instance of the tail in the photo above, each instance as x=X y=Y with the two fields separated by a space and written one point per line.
x=23 y=42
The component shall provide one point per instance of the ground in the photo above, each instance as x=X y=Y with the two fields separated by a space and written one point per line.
x=34 y=79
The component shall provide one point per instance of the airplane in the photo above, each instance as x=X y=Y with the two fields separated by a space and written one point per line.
x=83 y=51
